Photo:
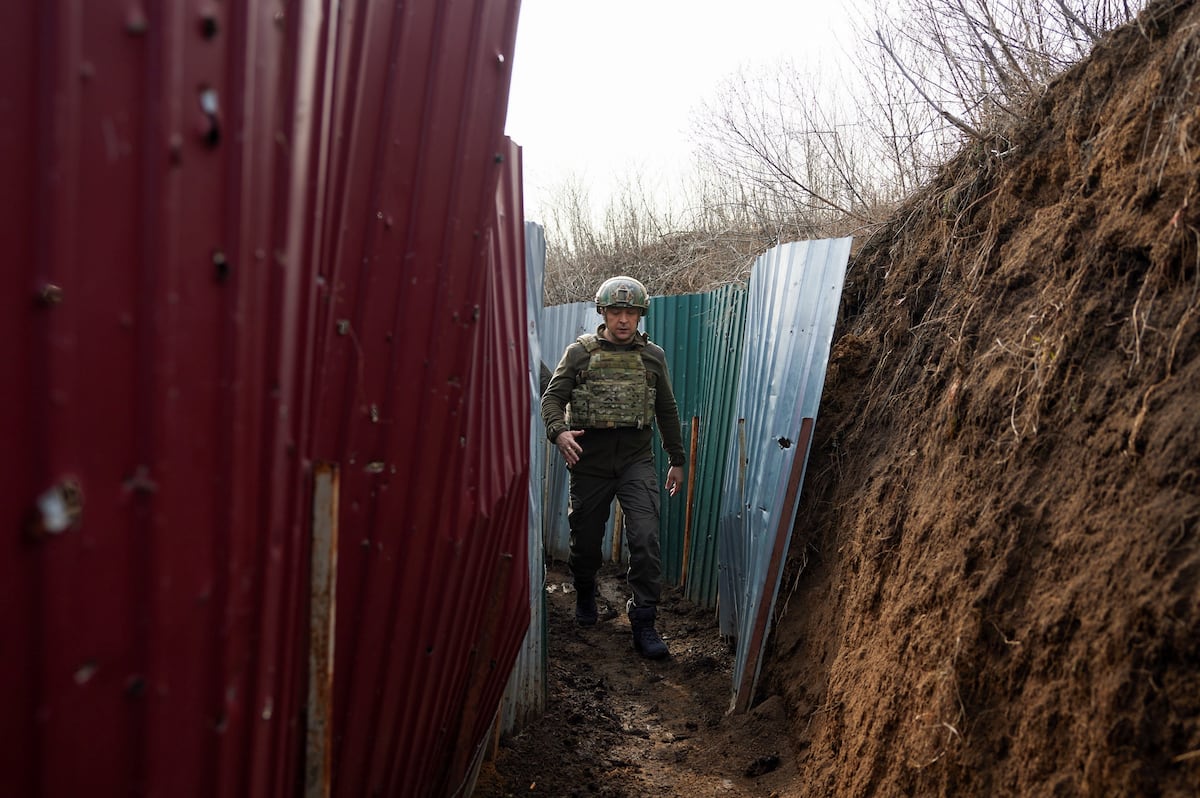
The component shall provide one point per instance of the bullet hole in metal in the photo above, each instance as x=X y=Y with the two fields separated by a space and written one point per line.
x=136 y=24
x=343 y=326
x=220 y=265
x=784 y=443
x=57 y=509
x=211 y=107
x=209 y=27
x=498 y=158
x=135 y=686
x=499 y=58
x=212 y=136
x=85 y=672
x=140 y=482
x=375 y=467
x=50 y=294
x=374 y=414
x=209 y=101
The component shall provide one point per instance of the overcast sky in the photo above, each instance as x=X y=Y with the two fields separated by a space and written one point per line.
x=606 y=89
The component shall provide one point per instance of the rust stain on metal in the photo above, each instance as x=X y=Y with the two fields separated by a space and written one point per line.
x=319 y=749
x=691 y=496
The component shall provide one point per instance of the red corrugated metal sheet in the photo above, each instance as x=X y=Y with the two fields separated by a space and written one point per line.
x=240 y=237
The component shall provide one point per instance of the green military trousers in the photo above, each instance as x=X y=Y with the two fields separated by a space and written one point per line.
x=636 y=487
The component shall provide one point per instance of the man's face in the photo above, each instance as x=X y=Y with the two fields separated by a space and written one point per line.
x=621 y=324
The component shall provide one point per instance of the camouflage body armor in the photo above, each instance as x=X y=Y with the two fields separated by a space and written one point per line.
x=614 y=391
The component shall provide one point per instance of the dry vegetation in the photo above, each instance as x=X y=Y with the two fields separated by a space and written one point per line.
x=788 y=154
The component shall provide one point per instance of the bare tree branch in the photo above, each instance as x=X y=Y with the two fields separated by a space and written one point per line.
x=949 y=117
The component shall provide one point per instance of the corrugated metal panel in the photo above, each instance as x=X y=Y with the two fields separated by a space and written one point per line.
x=241 y=238
x=150 y=361
x=525 y=696
x=794 y=294
x=702 y=336
x=422 y=394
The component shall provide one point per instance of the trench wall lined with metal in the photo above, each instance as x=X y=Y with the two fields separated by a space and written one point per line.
x=794 y=294
x=265 y=308
x=747 y=365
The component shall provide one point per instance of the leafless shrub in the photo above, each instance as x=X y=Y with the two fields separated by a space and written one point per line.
x=787 y=154
x=632 y=236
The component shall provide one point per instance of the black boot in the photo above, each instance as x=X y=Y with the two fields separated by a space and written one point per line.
x=645 y=639
x=585 y=603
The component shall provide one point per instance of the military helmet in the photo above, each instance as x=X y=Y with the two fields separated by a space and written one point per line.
x=622 y=292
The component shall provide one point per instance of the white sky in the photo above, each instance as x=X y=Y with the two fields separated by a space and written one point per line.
x=605 y=90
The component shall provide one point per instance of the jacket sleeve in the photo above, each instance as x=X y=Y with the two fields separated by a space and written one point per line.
x=558 y=392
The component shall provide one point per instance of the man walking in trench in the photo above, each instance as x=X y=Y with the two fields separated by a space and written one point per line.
x=608 y=389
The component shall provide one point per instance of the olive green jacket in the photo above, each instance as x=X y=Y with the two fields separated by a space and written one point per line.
x=607 y=451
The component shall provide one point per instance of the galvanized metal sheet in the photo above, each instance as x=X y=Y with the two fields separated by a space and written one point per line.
x=793 y=300
x=525 y=695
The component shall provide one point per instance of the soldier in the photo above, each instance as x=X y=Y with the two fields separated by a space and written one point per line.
x=608 y=389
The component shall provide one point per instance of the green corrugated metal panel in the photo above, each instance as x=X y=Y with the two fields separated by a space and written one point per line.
x=702 y=336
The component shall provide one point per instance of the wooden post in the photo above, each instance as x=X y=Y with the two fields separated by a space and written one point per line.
x=318 y=760
x=691 y=495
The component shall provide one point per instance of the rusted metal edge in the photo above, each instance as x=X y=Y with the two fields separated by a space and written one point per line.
x=691 y=497
x=758 y=634
x=318 y=762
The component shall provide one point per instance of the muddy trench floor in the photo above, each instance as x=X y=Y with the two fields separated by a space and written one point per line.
x=617 y=724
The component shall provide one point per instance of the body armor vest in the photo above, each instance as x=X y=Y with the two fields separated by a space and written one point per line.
x=614 y=391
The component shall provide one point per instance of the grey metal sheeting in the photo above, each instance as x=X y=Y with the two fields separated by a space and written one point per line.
x=794 y=294
x=525 y=695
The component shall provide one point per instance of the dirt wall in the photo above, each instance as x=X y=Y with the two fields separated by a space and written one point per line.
x=1001 y=517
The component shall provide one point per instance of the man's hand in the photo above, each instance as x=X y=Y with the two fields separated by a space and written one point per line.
x=674 y=479
x=569 y=447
